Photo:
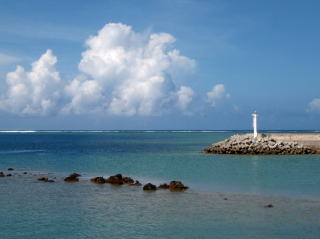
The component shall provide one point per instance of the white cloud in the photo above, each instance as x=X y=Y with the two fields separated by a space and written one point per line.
x=6 y=59
x=129 y=73
x=185 y=96
x=122 y=72
x=35 y=92
x=314 y=105
x=86 y=96
x=216 y=94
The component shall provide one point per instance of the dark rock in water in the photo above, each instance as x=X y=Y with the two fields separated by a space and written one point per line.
x=9 y=175
x=164 y=186
x=25 y=173
x=225 y=199
x=177 y=186
x=98 y=180
x=149 y=187
x=115 y=179
x=136 y=183
x=10 y=169
x=72 y=178
x=127 y=180
x=44 y=179
x=268 y=206
x=2 y=174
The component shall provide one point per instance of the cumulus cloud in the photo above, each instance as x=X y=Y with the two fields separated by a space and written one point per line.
x=314 y=105
x=122 y=72
x=129 y=73
x=35 y=92
x=185 y=96
x=6 y=59
x=217 y=93
x=86 y=96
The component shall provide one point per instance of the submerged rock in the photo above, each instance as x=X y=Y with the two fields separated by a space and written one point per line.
x=164 y=186
x=136 y=183
x=9 y=175
x=268 y=206
x=115 y=179
x=98 y=180
x=127 y=180
x=177 y=186
x=149 y=187
x=72 y=178
x=10 y=169
x=44 y=179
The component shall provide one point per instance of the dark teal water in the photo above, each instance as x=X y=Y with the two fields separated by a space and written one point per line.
x=32 y=209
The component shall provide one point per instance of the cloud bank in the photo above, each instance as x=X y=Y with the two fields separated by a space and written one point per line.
x=121 y=72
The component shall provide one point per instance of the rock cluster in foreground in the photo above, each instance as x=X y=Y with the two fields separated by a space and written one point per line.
x=116 y=180
x=263 y=144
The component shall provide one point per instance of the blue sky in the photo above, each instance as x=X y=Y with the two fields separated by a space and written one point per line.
x=251 y=55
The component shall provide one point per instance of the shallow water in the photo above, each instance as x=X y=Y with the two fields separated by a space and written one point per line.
x=32 y=209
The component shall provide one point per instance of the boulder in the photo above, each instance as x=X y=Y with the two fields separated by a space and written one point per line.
x=149 y=187
x=10 y=169
x=44 y=179
x=98 y=180
x=136 y=183
x=176 y=186
x=127 y=180
x=2 y=174
x=72 y=178
x=9 y=175
x=115 y=179
x=268 y=206
x=164 y=186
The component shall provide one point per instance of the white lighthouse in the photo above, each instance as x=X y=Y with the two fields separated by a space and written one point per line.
x=255 y=124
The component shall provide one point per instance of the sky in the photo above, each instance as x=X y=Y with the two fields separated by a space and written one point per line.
x=159 y=64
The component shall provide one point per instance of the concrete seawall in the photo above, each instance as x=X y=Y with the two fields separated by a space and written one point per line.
x=274 y=143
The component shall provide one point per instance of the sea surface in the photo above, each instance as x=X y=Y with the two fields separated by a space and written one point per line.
x=226 y=199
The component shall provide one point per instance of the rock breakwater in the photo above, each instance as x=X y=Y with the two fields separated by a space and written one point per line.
x=263 y=144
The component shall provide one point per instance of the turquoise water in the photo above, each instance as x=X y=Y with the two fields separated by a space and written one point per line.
x=32 y=209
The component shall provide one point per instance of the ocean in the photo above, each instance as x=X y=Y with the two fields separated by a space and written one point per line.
x=226 y=199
